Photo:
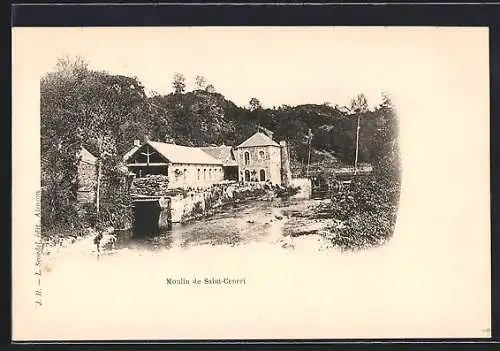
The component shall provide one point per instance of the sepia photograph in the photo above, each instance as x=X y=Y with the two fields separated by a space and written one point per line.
x=250 y=182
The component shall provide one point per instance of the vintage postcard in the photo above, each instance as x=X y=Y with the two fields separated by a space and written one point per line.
x=250 y=183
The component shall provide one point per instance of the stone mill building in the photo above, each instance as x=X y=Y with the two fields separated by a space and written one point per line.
x=259 y=159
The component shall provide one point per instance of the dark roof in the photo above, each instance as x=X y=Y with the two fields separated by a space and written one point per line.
x=131 y=152
x=258 y=139
x=222 y=153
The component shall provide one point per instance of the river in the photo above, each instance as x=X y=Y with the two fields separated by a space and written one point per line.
x=266 y=221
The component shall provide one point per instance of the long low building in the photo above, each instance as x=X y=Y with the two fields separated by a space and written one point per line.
x=185 y=166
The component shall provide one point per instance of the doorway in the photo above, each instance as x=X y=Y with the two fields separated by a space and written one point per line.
x=146 y=218
x=262 y=175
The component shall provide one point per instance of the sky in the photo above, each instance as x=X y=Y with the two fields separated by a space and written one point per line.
x=279 y=65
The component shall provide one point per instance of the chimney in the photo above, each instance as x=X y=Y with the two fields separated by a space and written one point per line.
x=137 y=142
x=265 y=131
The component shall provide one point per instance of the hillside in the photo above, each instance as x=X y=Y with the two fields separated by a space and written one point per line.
x=92 y=102
x=200 y=118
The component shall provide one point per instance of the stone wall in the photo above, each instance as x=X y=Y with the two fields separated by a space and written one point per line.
x=87 y=179
x=197 y=203
x=305 y=187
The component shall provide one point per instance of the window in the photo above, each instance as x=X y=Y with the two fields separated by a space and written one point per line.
x=262 y=155
x=262 y=175
x=177 y=173
x=199 y=170
x=204 y=174
x=210 y=173
x=247 y=158
x=247 y=175
x=185 y=172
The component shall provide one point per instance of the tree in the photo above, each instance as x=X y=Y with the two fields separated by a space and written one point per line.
x=179 y=83
x=210 y=88
x=68 y=67
x=386 y=144
x=200 y=82
x=359 y=104
x=61 y=139
x=255 y=104
x=82 y=107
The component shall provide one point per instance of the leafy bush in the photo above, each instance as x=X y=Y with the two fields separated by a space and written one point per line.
x=368 y=211
x=285 y=192
x=245 y=194
x=198 y=209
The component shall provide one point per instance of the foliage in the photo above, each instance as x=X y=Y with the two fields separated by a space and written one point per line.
x=179 y=83
x=367 y=210
x=249 y=193
x=285 y=192
x=210 y=88
x=198 y=209
x=255 y=104
x=81 y=107
x=359 y=104
x=200 y=82
x=368 y=194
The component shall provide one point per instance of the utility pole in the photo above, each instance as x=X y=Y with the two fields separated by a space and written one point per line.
x=99 y=167
x=357 y=147
x=309 y=154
